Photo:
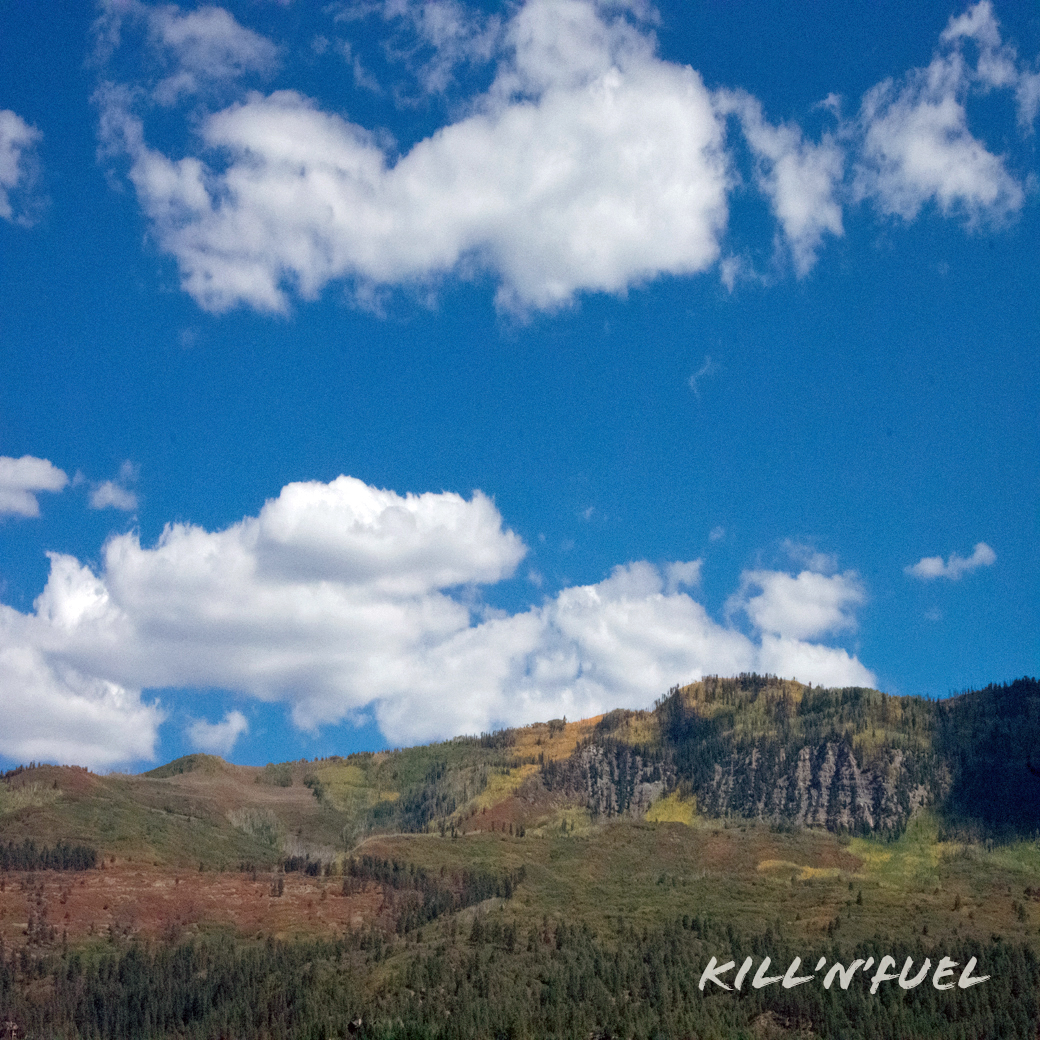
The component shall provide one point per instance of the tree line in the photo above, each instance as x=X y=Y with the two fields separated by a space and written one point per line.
x=426 y=895
x=63 y=856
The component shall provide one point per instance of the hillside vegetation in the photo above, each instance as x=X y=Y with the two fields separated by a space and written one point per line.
x=562 y=879
x=755 y=748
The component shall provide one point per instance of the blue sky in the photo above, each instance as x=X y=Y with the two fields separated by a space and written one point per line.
x=391 y=369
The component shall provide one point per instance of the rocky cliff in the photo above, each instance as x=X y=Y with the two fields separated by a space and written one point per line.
x=822 y=786
x=611 y=778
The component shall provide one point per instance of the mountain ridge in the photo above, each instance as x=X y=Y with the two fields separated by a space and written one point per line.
x=751 y=747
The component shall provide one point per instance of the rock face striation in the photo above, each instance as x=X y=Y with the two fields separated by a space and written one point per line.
x=822 y=786
x=611 y=778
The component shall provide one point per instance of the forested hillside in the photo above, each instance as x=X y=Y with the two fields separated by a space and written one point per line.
x=554 y=983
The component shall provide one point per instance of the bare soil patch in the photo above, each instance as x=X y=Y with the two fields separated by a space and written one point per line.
x=127 y=898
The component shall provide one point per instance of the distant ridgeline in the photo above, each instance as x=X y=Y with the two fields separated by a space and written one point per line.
x=848 y=759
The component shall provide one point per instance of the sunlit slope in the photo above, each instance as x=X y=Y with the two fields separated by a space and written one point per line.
x=201 y=809
x=806 y=883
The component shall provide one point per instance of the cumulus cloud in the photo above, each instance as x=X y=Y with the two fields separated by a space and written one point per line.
x=407 y=545
x=917 y=147
x=54 y=713
x=340 y=598
x=802 y=180
x=930 y=567
x=18 y=167
x=21 y=479
x=622 y=641
x=112 y=495
x=589 y=166
x=813 y=662
x=218 y=738
x=802 y=606
x=791 y=610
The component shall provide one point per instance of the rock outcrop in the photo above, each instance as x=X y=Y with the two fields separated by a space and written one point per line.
x=611 y=778
x=812 y=786
x=822 y=786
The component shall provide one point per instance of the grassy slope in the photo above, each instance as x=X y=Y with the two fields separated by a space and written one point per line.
x=807 y=882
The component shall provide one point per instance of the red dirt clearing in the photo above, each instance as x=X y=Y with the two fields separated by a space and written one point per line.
x=127 y=899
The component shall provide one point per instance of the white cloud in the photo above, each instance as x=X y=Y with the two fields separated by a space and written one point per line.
x=54 y=713
x=623 y=641
x=789 y=610
x=802 y=180
x=809 y=557
x=111 y=495
x=590 y=166
x=362 y=78
x=338 y=598
x=21 y=479
x=18 y=165
x=931 y=567
x=997 y=62
x=208 y=45
x=917 y=147
x=812 y=662
x=218 y=738
x=434 y=37
x=1027 y=94
x=405 y=546
x=678 y=575
x=195 y=52
x=803 y=606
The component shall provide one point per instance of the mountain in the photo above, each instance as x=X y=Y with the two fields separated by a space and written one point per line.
x=482 y=884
